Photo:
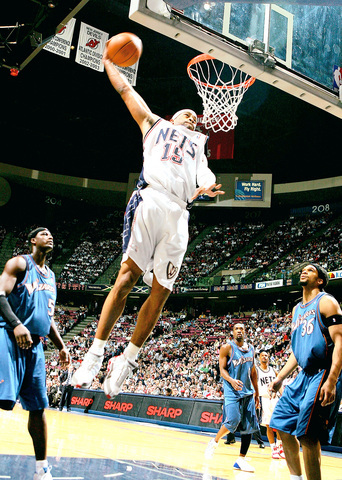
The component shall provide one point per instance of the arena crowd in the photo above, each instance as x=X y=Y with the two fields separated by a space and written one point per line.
x=181 y=357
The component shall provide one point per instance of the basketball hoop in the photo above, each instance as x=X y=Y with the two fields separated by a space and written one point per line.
x=221 y=88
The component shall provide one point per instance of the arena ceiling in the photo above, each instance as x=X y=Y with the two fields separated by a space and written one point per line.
x=60 y=117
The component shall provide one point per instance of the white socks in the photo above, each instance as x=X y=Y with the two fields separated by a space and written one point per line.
x=296 y=477
x=41 y=464
x=131 y=352
x=98 y=347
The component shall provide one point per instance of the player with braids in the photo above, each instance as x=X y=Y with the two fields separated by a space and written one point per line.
x=307 y=410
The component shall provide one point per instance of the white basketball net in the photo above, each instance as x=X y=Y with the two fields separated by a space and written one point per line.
x=221 y=88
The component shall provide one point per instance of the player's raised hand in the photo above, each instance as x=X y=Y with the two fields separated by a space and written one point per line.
x=211 y=191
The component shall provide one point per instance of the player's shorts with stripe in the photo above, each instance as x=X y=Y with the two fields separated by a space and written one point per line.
x=22 y=374
x=267 y=407
x=155 y=234
x=240 y=412
x=299 y=412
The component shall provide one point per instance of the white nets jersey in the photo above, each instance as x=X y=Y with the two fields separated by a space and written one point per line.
x=174 y=160
x=265 y=378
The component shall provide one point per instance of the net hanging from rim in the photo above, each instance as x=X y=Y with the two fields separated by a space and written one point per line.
x=221 y=88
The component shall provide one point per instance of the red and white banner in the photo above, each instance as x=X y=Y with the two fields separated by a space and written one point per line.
x=91 y=43
x=61 y=42
x=337 y=81
x=220 y=144
x=130 y=73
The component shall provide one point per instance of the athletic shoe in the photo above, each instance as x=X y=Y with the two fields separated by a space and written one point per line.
x=90 y=367
x=230 y=442
x=119 y=368
x=243 y=465
x=43 y=474
x=210 y=450
x=281 y=451
x=275 y=453
x=261 y=445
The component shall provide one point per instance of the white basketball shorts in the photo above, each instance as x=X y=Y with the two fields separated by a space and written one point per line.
x=267 y=405
x=155 y=235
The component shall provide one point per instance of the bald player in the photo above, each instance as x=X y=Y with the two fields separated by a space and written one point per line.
x=155 y=234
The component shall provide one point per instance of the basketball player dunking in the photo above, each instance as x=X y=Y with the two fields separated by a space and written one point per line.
x=155 y=235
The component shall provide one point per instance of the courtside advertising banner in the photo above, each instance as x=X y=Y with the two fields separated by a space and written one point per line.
x=206 y=414
x=61 y=42
x=91 y=43
x=199 y=414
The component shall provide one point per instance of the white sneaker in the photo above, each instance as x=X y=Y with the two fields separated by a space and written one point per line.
x=243 y=465
x=210 y=450
x=119 y=368
x=275 y=453
x=90 y=367
x=281 y=451
x=43 y=474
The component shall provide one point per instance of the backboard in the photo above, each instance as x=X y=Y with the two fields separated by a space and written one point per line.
x=294 y=45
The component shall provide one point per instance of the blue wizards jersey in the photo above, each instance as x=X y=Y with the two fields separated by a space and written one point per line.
x=33 y=299
x=239 y=366
x=310 y=339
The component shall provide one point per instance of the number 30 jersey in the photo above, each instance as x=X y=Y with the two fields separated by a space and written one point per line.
x=174 y=160
x=33 y=299
x=310 y=339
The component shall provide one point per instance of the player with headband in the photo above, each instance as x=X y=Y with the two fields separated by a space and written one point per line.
x=155 y=235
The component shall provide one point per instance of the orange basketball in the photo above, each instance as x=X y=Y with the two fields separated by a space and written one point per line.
x=124 y=49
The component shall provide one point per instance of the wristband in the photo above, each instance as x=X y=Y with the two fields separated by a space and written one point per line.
x=7 y=313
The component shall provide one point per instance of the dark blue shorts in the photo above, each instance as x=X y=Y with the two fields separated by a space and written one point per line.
x=22 y=374
x=299 y=412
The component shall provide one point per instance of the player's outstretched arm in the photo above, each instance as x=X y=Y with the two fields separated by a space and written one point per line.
x=211 y=191
x=134 y=102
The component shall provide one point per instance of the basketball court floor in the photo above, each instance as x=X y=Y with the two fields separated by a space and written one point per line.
x=91 y=447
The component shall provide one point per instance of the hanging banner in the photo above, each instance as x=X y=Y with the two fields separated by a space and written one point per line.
x=60 y=44
x=130 y=73
x=91 y=43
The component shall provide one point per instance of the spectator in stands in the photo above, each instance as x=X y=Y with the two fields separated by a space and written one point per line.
x=67 y=388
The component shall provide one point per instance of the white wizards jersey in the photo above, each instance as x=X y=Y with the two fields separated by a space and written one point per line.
x=265 y=378
x=174 y=160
